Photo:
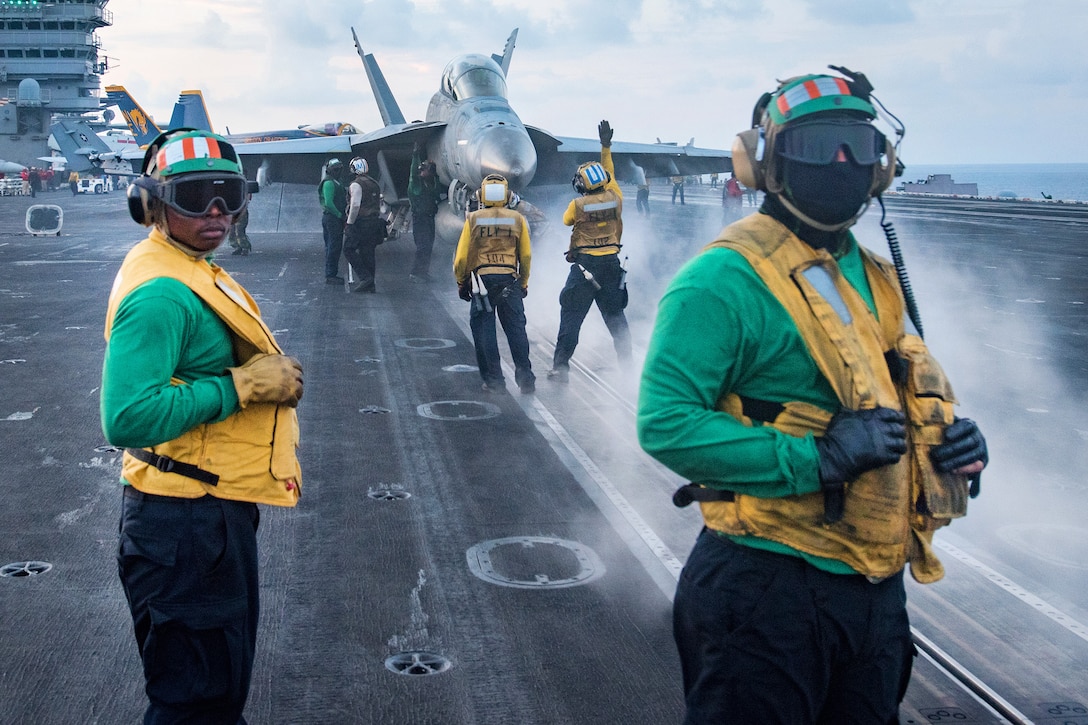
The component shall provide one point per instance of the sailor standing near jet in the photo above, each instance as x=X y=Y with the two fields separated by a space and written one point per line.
x=596 y=274
x=424 y=195
x=491 y=267
x=334 y=203
x=364 y=229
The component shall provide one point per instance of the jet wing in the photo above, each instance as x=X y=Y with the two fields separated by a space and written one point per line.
x=387 y=150
x=293 y=161
x=558 y=157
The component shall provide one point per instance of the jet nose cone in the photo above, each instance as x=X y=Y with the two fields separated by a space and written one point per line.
x=507 y=150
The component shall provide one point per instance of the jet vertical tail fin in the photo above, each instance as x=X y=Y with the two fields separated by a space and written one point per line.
x=141 y=125
x=383 y=94
x=190 y=111
x=507 y=53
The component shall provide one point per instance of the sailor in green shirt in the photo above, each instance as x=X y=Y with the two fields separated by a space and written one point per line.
x=334 y=203
x=202 y=398
x=786 y=382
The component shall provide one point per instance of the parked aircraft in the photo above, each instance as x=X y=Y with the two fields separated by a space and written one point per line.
x=470 y=130
x=116 y=151
x=113 y=151
x=191 y=111
x=10 y=167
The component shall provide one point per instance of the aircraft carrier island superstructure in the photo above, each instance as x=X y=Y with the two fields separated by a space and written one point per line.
x=50 y=64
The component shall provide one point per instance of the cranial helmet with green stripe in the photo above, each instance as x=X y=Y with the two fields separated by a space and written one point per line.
x=195 y=151
x=805 y=95
x=801 y=98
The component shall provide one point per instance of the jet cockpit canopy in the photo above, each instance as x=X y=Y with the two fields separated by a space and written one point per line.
x=473 y=76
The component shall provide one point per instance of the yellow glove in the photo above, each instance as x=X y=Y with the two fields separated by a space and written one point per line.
x=266 y=378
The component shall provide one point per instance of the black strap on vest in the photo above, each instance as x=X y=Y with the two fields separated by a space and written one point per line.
x=764 y=411
x=898 y=367
x=169 y=465
x=694 y=492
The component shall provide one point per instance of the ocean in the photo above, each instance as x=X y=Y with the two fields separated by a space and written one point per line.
x=1065 y=182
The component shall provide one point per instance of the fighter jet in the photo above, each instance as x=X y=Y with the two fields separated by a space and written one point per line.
x=10 y=167
x=470 y=130
x=190 y=111
x=109 y=152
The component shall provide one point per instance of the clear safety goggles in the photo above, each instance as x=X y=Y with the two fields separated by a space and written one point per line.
x=819 y=142
x=193 y=195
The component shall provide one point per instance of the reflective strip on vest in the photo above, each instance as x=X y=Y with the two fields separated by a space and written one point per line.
x=821 y=280
x=600 y=207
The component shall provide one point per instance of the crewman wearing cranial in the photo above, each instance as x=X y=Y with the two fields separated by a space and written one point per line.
x=491 y=268
x=787 y=380
x=202 y=398
x=596 y=275
x=333 y=196
x=364 y=227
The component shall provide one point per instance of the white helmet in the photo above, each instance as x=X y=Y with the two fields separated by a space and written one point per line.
x=358 y=166
x=494 y=191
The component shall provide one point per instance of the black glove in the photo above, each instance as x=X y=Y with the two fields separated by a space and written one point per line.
x=464 y=290
x=604 y=132
x=524 y=292
x=571 y=256
x=963 y=445
x=857 y=441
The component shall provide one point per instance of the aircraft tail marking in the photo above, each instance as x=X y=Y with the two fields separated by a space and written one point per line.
x=383 y=94
x=141 y=125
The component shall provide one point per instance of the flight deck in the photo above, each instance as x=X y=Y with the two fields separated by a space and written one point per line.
x=460 y=556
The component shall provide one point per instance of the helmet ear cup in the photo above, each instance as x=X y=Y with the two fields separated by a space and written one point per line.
x=747 y=164
x=139 y=195
x=883 y=176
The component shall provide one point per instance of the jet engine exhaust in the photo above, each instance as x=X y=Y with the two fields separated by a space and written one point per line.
x=507 y=150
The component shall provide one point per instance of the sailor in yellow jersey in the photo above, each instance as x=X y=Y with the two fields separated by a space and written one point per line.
x=491 y=267
x=198 y=392
x=787 y=379
x=596 y=275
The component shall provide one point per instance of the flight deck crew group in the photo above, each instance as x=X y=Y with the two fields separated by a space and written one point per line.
x=786 y=379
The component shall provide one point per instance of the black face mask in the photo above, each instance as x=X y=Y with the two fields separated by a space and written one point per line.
x=829 y=193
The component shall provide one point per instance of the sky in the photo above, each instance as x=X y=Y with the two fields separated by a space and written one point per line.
x=973 y=81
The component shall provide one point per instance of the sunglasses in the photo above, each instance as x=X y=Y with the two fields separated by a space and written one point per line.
x=819 y=142
x=193 y=196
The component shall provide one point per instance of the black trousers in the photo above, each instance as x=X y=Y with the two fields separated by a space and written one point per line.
x=578 y=296
x=506 y=303
x=423 y=236
x=768 y=638
x=189 y=571
x=361 y=239
x=332 y=230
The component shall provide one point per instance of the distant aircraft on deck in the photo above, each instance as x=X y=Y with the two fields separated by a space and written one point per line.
x=113 y=151
x=10 y=167
x=470 y=131
x=190 y=111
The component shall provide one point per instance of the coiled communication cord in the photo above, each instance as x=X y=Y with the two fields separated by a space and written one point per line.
x=900 y=268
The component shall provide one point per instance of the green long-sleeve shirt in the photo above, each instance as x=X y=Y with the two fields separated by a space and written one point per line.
x=720 y=330
x=424 y=195
x=163 y=330
x=334 y=198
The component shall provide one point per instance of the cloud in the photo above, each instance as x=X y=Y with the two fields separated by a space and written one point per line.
x=972 y=80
